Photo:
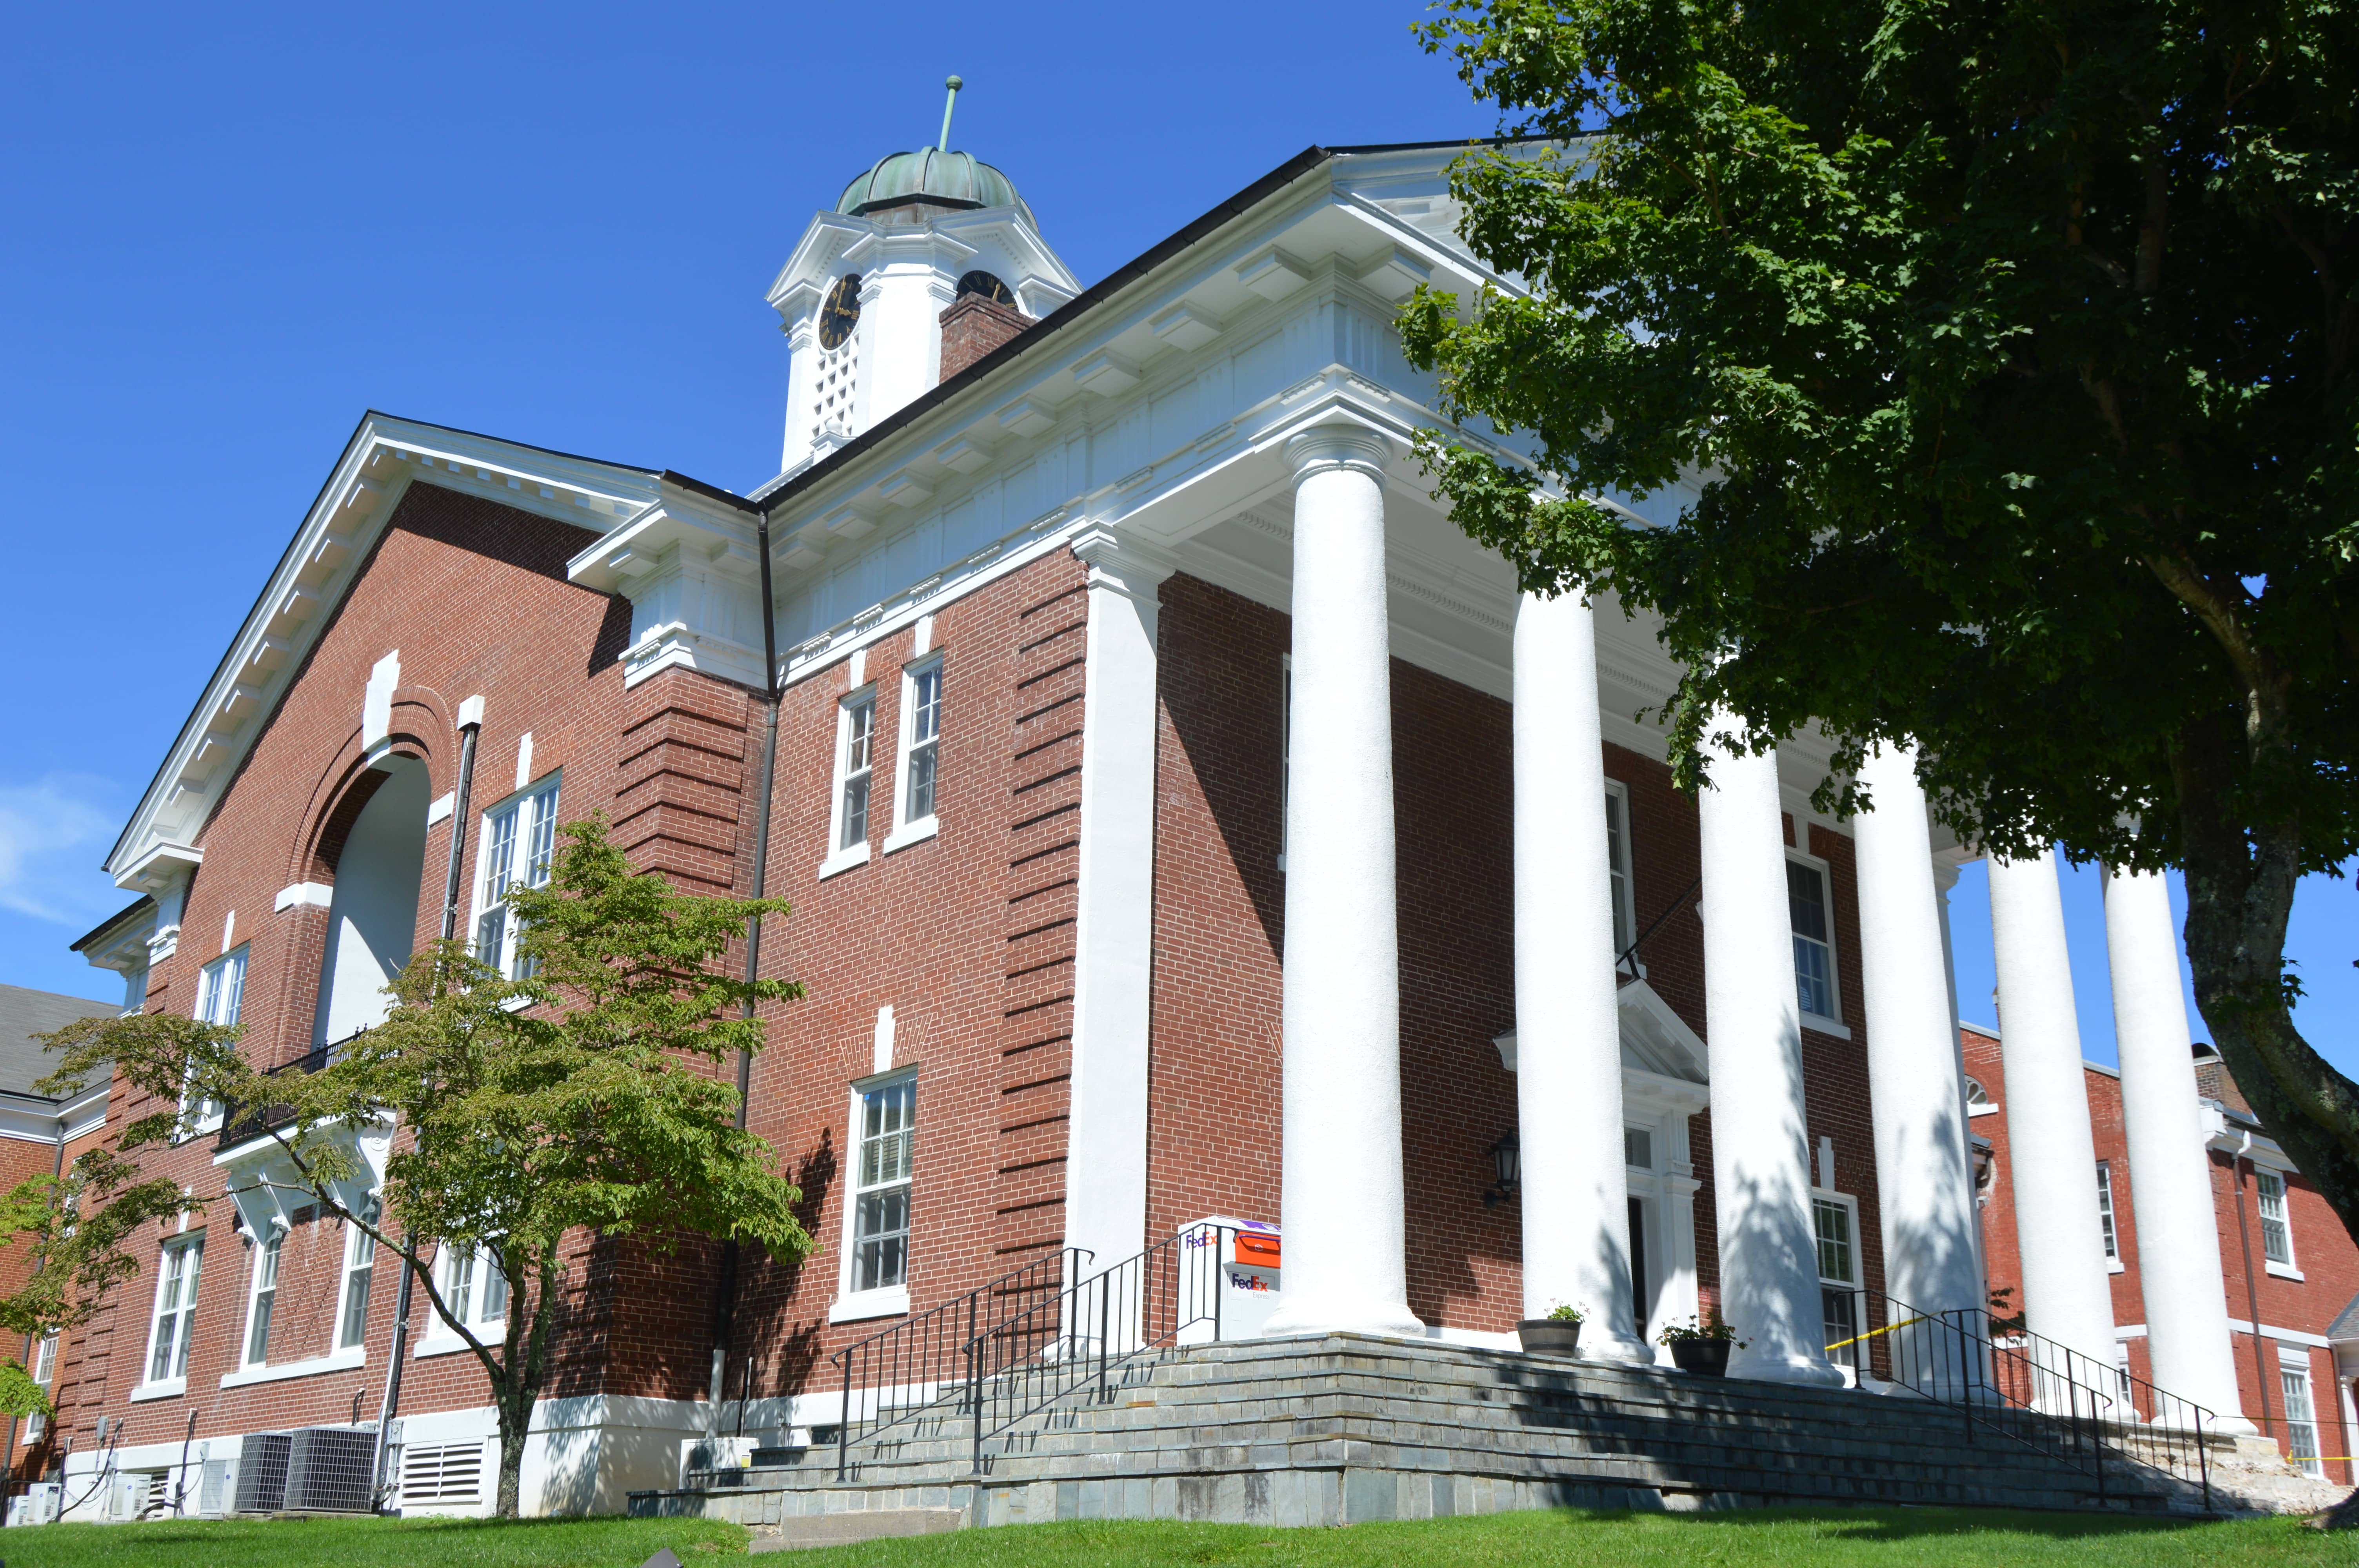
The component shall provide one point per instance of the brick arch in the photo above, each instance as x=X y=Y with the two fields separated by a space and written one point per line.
x=346 y=783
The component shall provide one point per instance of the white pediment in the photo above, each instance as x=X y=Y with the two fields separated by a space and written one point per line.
x=1655 y=1041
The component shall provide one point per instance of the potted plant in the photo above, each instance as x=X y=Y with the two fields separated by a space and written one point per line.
x=1559 y=1334
x=1702 y=1347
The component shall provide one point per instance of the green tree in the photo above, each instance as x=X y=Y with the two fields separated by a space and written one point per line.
x=1998 y=358
x=584 y=1097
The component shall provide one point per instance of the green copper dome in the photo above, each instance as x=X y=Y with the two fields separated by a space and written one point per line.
x=948 y=179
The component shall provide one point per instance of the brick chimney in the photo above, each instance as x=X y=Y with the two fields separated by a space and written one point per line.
x=972 y=326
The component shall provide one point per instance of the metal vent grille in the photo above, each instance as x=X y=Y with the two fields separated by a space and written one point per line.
x=262 y=1472
x=450 y=1472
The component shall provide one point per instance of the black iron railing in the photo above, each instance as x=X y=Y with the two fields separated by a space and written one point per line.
x=241 y=1124
x=895 y=1376
x=2005 y=1382
x=1078 y=1344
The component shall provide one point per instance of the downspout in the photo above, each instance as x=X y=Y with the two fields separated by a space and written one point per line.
x=471 y=725
x=2236 y=1162
x=724 y=1301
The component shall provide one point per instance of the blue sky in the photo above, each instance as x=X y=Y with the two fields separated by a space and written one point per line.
x=236 y=228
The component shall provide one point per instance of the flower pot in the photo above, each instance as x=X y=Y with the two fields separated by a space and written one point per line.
x=1704 y=1357
x=1550 y=1335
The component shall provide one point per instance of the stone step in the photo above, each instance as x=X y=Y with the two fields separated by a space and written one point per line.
x=800 y=1532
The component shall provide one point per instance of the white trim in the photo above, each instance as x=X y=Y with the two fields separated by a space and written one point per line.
x=892 y=1301
x=1625 y=903
x=520 y=860
x=259 y=1253
x=843 y=860
x=1818 y=1026
x=170 y=1388
x=2285 y=1271
x=840 y=856
x=2290 y=1336
x=1825 y=1023
x=183 y=1242
x=334 y=1361
x=304 y=895
x=917 y=832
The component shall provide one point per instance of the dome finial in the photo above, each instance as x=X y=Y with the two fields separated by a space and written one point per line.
x=948 y=105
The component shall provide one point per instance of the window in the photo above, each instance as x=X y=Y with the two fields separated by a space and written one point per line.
x=921 y=705
x=265 y=1299
x=2300 y=1415
x=360 y=1263
x=1977 y=1097
x=176 y=1310
x=1617 y=868
x=880 y=1217
x=45 y=1372
x=518 y=839
x=474 y=1288
x=1814 y=966
x=2277 y=1234
x=2105 y=1207
x=855 y=765
x=1837 y=1281
x=221 y=995
x=1638 y=1147
x=1642 y=1301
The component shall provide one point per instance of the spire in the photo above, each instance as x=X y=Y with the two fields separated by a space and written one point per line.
x=948 y=105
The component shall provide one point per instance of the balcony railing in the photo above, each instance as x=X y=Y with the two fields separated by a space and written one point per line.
x=244 y=1125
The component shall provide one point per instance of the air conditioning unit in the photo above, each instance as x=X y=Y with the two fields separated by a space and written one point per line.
x=313 y=1470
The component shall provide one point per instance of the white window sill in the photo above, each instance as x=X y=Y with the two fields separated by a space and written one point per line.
x=2116 y=1266
x=2285 y=1271
x=1975 y=1111
x=170 y=1388
x=891 y=1301
x=1825 y=1026
x=335 y=1361
x=843 y=860
x=910 y=833
x=451 y=1345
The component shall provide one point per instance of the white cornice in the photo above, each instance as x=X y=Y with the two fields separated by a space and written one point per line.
x=384 y=457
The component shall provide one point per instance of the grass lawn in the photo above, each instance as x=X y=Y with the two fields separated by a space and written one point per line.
x=605 y=1542
x=1782 y=1538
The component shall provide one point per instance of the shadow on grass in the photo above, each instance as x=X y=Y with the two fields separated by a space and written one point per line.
x=1870 y=1521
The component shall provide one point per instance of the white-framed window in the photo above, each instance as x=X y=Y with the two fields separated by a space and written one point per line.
x=360 y=1268
x=518 y=839
x=1617 y=867
x=855 y=775
x=876 y=1217
x=2105 y=1210
x=1835 y=1217
x=474 y=1289
x=2301 y=1412
x=1638 y=1147
x=45 y=1372
x=1814 y=951
x=2277 y=1221
x=262 y=1297
x=922 y=752
x=221 y=996
x=177 y=1269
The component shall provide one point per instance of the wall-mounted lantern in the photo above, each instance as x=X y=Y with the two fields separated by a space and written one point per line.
x=1508 y=1163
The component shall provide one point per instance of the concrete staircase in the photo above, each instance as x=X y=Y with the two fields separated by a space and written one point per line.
x=1338 y=1429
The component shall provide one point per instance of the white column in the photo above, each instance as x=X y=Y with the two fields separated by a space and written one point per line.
x=1753 y=1024
x=1113 y=938
x=2067 y=1292
x=1924 y=1179
x=2170 y=1177
x=1576 y=1184
x=1341 y=1204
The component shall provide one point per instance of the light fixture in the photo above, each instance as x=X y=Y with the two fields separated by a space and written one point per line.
x=1507 y=1161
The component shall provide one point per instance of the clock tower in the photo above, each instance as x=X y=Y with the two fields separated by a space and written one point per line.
x=861 y=300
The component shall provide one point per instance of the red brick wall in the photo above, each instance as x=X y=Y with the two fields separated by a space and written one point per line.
x=972 y=326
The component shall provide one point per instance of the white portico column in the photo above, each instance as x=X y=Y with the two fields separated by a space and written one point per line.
x=1753 y=1024
x=1342 y=1204
x=1923 y=1177
x=1576 y=1187
x=2170 y=1179
x=2066 y=1290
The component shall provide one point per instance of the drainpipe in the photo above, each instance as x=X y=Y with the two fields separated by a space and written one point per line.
x=724 y=1301
x=2237 y=1163
x=471 y=725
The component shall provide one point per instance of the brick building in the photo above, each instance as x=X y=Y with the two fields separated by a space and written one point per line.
x=1182 y=818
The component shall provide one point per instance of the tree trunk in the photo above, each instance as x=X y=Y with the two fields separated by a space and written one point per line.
x=516 y=1426
x=2240 y=892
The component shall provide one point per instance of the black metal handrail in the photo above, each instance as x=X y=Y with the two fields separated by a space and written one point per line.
x=1094 y=1329
x=2003 y=1378
x=241 y=1126
x=896 y=1375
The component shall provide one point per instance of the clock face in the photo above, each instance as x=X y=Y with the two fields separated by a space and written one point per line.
x=990 y=288
x=841 y=314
